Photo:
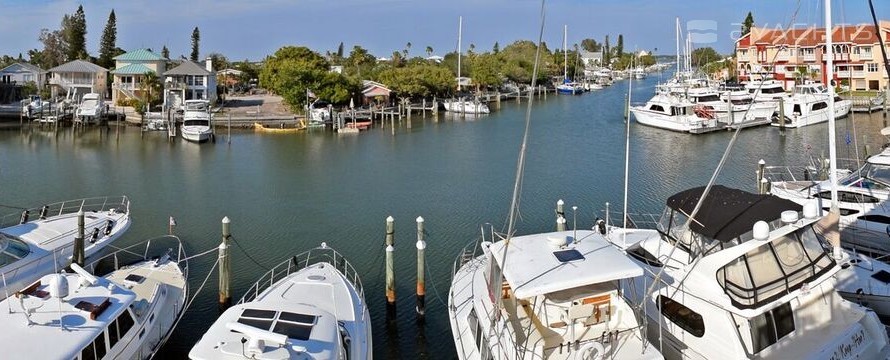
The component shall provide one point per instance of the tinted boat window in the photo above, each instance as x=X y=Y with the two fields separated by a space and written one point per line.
x=681 y=315
x=771 y=326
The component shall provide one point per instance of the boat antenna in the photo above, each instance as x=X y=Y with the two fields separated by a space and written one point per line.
x=520 y=165
x=834 y=213
x=627 y=147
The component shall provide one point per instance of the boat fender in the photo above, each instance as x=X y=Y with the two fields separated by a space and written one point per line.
x=592 y=351
x=43 y=211
x=601 y=226
x=24 y=218
x=94 y=236
x=108 y=226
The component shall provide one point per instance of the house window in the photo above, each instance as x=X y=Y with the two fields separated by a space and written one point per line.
x=872 y=67
x=199 y=94
x=199 y=81
x=190 y=80
x=27 y=77
x=683 y=316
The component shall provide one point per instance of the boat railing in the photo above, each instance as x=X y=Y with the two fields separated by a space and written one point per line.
x=119 y=204
x=816 y=170
x=321 y=254
x=634 y=220
x=157 y=248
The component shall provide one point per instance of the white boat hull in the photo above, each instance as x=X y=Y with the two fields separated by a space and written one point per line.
x=466 y=107
x=841 y=109
x=687 y=123
x=196 y=134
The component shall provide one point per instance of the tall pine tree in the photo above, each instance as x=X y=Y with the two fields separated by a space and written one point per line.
x=619 y=46
x=607 y=55
x=75 y=31
x=196 y=41
x=108 y=42
x=165 y=52
x=747 y=24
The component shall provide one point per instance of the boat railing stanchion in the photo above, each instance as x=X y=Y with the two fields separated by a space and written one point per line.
x=225 y=296
x=421 y=285
x=390 y=276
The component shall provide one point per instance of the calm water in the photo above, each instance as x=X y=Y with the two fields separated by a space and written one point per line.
x=288 y=193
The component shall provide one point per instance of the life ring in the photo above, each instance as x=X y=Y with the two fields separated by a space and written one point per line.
x=592 y=351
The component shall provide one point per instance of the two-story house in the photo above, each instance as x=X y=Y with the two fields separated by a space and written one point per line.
x=797 y=54
x=23 y=73
x=189 y=81
x=130 y=71
x=76 y=78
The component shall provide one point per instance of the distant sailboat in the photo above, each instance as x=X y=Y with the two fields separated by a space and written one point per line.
x=567 y=87
x=462 y=105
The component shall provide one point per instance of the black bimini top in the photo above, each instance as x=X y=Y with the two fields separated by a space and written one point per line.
x=728 y=213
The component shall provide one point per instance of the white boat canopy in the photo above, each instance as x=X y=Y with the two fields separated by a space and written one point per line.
x=545 y=263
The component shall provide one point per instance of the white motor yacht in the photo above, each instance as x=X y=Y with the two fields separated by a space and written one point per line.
x=466 y=106
x=34 y=106
x=740 y=113
x=41 y=241
x=309 y=307
x=126 y=314
x=809 y=105
x=196 y=121
x=560 y=297
x=731 y=285
x=677 y=114
x=766 y=90
x=91 y=109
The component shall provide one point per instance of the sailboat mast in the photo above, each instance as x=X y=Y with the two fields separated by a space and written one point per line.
x=678 y=46
x=565 y=53
x=460 y=27
x=832 y=147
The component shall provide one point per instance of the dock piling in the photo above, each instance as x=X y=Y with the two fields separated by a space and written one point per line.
x=560 y=216
x=421 y=286
x=759 y=172
x=390 y=269
x=782 y=116
x=78 y=256
x=764 y=186
x=225 y=295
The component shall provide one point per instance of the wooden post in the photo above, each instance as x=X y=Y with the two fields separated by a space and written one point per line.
x=225 y=296
x=782 y=115
x=764 y=186
x=423 y=107
x=421 y=286
x=759 y=172
x=498 y=101
x=229 y=135
x=390 y=269
x=78 y=257
x=560 y=216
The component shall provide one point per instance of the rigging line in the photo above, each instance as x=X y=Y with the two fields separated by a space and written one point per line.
x=195 y=295
x=874 y=18
x=212 y=250
x=257 y=263
x=707 y=189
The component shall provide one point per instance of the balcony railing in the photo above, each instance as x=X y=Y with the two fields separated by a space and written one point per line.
x=70 y=82
x=809 y=57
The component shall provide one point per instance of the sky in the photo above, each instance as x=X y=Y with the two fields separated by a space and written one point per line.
x=253 y=29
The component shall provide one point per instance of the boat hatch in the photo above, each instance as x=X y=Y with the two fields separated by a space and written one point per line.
x=94 y=309
x=293 y=325
x=882 y=276
x=568 y=255
x=134 y=278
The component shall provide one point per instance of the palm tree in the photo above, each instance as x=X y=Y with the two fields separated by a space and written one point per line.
x=407 y=48
x=150 y=86
x=429 y=51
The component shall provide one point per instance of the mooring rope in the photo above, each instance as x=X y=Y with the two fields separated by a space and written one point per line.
x=257 y=263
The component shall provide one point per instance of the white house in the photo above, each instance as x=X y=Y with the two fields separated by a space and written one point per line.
x=189 y=81
x=76 y=78
x=22 y=73
x=591 y=59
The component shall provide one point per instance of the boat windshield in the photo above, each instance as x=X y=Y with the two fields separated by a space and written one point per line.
x=708 y=98
x=870 y=176
x=89 y=103
x=775 y=269
x=196 y=106
x=772 y=90
x=196 y=122
x=12 y=250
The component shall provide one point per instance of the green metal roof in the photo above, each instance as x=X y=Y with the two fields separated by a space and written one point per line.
x=132 y=69
x=139 y=55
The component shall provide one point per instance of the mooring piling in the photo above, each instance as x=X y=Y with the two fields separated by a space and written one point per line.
x=390 y=276
x=560 y=216
x=78 y=257
x=225 y=295
x=759 y=172
x=421 y=286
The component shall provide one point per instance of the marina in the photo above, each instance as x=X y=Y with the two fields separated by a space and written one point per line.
x=285 y=193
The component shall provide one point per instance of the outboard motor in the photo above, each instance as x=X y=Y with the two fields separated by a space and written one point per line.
x=43 y=211
x=601 y=226
x=108 y=226
x=24 y=217
x=94 y=236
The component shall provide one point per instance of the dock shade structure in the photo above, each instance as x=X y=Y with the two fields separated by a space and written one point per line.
x=725 y=215
x=527 y=255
